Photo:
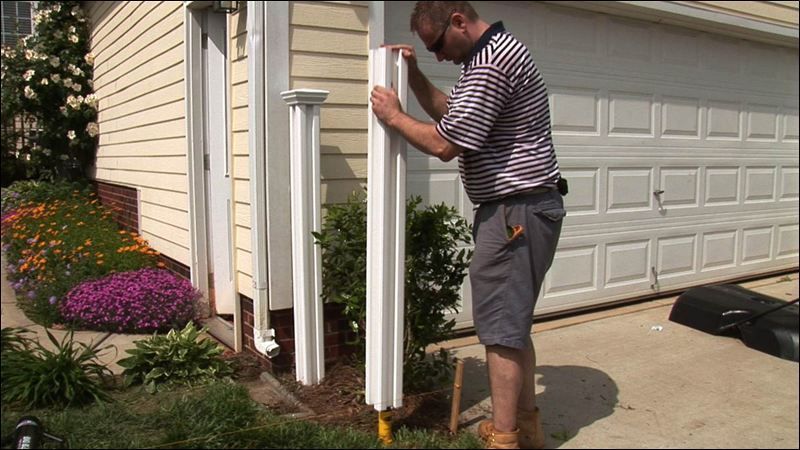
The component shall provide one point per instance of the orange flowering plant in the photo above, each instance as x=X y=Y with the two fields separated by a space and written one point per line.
x=52 y=245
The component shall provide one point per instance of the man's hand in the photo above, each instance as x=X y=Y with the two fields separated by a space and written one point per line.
x=385 y=104
x=432 y=100
x=408 y=51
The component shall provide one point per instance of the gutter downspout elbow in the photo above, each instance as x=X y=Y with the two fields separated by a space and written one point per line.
x=265 y=342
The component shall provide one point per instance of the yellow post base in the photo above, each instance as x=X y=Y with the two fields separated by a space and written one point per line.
x=385 y=427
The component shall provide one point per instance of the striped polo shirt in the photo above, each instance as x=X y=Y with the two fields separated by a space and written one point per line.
x=499 y=113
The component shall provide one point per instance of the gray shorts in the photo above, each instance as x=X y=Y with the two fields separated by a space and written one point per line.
x=507 y=271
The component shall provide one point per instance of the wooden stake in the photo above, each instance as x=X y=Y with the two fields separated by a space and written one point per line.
x=456 y=408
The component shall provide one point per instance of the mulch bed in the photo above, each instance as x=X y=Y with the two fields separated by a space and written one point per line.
x=339 y=400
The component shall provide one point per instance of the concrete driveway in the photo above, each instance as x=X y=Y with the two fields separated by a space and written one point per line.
x=630 y=378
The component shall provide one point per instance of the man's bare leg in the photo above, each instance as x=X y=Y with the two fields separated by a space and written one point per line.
x=506 y=367
x=527 y=398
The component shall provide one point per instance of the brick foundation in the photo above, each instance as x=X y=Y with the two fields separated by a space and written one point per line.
x=335 y=328
x=123 y=202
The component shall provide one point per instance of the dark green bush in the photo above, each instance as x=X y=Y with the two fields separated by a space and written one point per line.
x=436 y=264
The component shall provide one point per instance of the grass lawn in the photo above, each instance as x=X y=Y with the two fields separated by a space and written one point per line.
x=217 y=415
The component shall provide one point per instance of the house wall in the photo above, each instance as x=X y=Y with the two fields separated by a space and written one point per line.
x=139 y=80
x=779 y=13
x=328 y=50
x=237 y=52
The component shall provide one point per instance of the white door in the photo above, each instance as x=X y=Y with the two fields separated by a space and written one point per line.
x=217 y=163
x=680 y=147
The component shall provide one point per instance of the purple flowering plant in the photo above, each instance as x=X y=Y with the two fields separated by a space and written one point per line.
x=57 y=235
x=141 y=301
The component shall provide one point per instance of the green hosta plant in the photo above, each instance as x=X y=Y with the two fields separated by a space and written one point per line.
x=38 y=377
x=177 y=357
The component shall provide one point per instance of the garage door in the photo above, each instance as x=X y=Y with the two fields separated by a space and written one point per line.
x=680 y=148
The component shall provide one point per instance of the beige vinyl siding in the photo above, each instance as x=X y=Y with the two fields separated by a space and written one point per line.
x=139 y=80
x=243 y=247
x=778 y=13
x=329 y=50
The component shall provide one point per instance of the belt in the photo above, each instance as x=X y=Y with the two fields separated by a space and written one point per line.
x=536 y=190
x=532 y=191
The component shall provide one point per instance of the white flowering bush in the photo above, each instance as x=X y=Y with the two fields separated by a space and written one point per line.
x=47 y=82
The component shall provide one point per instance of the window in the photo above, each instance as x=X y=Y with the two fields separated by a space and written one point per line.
x=17 y=21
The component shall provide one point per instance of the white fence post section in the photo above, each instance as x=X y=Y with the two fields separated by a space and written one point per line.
x=306 y=257
x=386 y=218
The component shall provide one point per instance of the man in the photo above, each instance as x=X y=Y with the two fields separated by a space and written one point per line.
x=497 y=121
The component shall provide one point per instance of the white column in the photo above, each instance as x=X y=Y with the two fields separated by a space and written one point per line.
x=386 y=217
x=306 y=257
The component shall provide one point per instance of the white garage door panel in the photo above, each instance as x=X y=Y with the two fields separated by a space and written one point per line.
x=638 y=261
x=639 y=108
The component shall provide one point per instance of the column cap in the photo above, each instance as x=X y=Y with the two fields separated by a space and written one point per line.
x=304 y=96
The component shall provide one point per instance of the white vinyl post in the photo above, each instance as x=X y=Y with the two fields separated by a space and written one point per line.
x=386 y=218
x=306 y=257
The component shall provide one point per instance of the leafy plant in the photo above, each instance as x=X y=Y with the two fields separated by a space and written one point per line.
x=344 y=262
x=14 y=340
x=22 y=192
x=178 y=357
x=69 y=375
x=436 y=264
x=47 y=82
x=144 y=300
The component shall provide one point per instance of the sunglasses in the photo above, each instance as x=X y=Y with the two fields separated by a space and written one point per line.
x=437 y=46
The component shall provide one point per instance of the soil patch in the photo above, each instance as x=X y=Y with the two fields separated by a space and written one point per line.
x=339 y=400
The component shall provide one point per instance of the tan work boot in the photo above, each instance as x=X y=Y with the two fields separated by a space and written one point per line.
x=530 y=429
x=500 y=439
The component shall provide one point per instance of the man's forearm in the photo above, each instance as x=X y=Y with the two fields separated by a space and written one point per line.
x=432 y=100
x=423 y=136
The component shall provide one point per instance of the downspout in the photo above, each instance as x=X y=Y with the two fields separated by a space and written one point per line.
x=263 y=335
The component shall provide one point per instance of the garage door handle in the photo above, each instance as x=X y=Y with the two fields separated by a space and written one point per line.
x=657 y=194
x=655 y=277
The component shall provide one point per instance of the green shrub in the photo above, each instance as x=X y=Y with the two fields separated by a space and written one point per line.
x=178 y=357
x=69 y=375
x=343 y=240
x=47 y=80
x=435 y=269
